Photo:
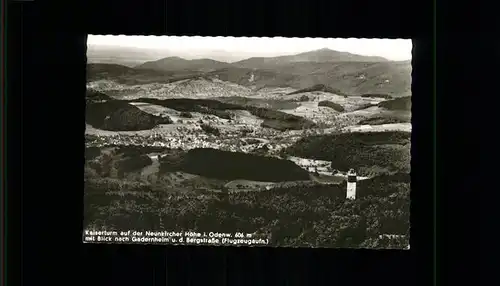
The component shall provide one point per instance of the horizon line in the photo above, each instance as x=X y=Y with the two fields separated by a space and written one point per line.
x=232 y=49
x=205 y=57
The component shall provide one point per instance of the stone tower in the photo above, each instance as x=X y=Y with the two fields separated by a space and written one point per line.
x=351 y=184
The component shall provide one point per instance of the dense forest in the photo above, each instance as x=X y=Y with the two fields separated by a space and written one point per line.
x=295 y=216
x=369 y=153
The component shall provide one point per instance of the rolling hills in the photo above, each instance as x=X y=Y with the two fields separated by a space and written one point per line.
x=316 y=56
x=124 y=75
x=349 y=78
x=115 y=115
x=370 y=154
x=179 y=64
x=234 y=166
x=402 y=103
x=342 y=73
x=272 y=118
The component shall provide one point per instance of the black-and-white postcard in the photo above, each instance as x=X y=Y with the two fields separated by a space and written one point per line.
x=233 y=141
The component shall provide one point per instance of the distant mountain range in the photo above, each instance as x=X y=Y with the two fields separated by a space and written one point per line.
x=347 y=73
x=317 y=56
x=177 y=63
x=120 y=55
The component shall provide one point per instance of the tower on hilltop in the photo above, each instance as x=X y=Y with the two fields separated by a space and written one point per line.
x=352 y=178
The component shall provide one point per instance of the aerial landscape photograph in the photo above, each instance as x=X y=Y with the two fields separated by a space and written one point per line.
x=300 y=142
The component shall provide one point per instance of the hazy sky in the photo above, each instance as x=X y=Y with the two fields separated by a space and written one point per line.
x=244 y=47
